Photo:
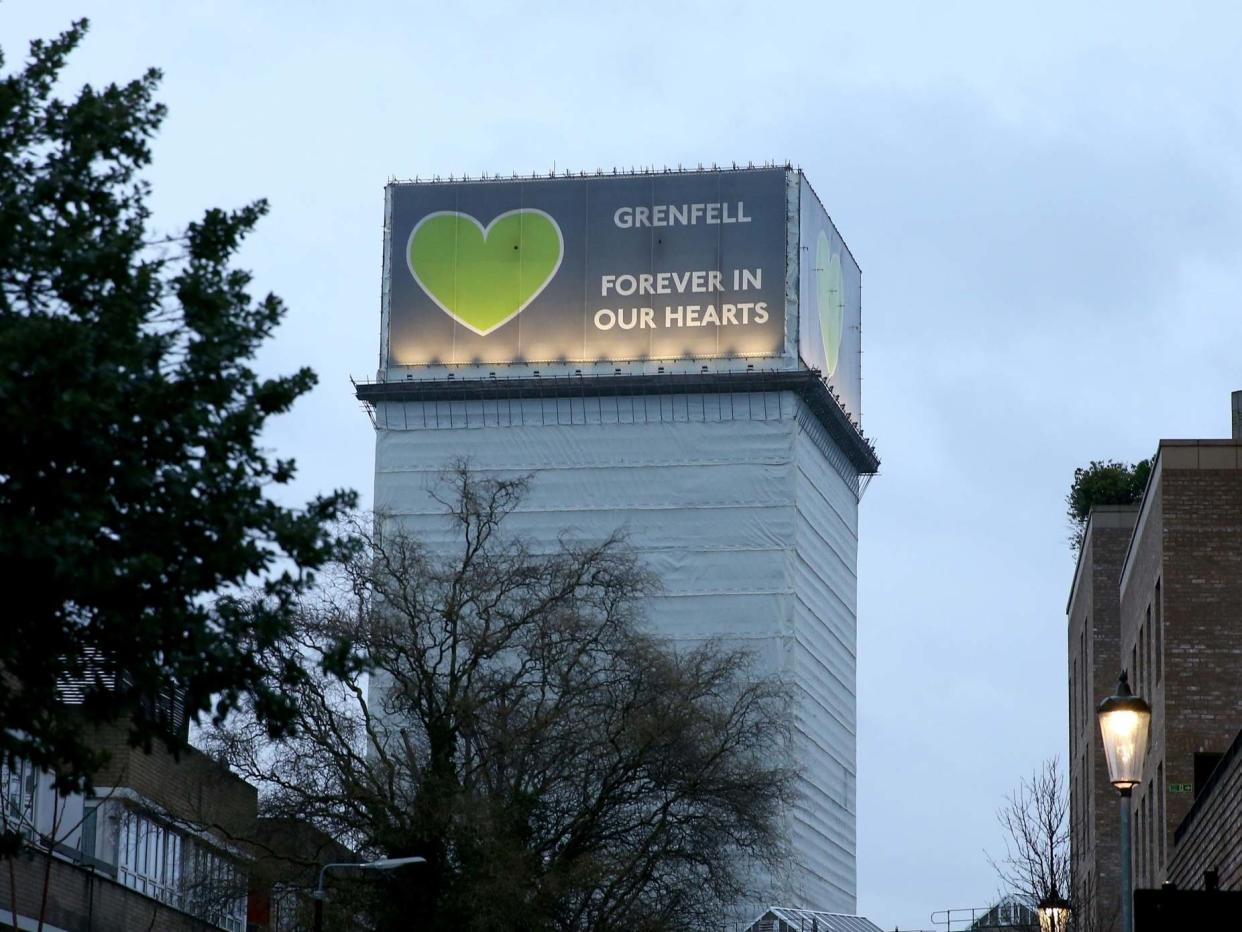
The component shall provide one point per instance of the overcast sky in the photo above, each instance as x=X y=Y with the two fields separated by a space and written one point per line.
x=1044 y=199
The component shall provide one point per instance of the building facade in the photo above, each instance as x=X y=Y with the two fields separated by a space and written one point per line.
x=1181 y=597
x=730 y=460
x=1209 y=838
x=156 y=845
x=1093 y=614
x=1178 y=593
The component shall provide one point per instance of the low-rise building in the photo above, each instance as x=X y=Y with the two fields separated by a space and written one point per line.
x=789 y=919
x=1209 y=838
x=160 y=843
x=1093 y=615
x=1176 y=598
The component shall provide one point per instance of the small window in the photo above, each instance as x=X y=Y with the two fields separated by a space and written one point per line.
x=1084 y=709
x=1205 y=763
x=89 y=826
x=159 y=862
x=1074 y=706
x=1159 y=633
x=1146 y=642
x=18 y=782
x=1152 y=829
x=1160 y=790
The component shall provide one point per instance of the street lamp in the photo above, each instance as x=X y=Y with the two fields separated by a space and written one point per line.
x=1054 y=911
x=383 y=864
x=1124 y=720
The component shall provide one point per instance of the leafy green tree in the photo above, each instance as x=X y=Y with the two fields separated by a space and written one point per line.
x=134 y=493
x=1103 y=483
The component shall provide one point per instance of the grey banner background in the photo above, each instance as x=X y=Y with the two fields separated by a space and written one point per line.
x=846 y=379
x=558 y=324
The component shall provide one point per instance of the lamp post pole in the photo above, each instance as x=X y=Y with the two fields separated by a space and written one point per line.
x=1124 y=720
x=1127 y=875
x=383 y=864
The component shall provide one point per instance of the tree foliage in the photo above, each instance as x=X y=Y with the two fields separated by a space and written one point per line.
x=1102 y=483
x=557 y=767
x=134 y=498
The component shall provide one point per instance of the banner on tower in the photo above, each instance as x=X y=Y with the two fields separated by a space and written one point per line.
x=829 y=301
x=587 y=269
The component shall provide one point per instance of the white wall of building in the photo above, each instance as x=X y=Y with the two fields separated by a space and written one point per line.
x=731 y=499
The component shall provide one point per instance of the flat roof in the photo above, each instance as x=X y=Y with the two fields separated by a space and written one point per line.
x=1180 y=454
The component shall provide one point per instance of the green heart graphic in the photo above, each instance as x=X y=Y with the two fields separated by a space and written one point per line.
x=480 y=276
x=830 y=299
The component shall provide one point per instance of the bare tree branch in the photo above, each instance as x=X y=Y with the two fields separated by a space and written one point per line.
x=506 y=717
x=1035 y=820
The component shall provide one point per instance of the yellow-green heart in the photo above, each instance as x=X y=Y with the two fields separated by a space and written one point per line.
x=484 y=277
x=830 y=299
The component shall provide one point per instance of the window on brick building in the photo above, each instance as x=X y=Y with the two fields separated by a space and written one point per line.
x=1084 y=788
x=1146 y=635
x=1086 y=783
x=150 y=859
x=18 y=782
x=1151 y=670
x=1083 y=783
x=289 y=907
x=161 y=863
x=1205 y=763
x=1082 y=654
x=90 y=828
x=1160 y=790
x=1074 y=707
x=216 y=890
x=1151 y=833
x=1147 y=839
x=1159 y=633
x=1075 y=815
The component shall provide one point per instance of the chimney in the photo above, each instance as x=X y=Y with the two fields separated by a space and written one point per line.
x=1237 y=416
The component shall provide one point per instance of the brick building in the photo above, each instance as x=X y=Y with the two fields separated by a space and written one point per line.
x=1093 y=613
x=1181 y=598
x=157 y=845
x=1176 y=598
x=1210 y=837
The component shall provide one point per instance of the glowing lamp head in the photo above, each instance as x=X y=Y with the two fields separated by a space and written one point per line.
x=1054 y=913
x=1124 y=720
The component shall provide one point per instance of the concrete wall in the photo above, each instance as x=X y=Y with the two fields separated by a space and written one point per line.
x=731 y=501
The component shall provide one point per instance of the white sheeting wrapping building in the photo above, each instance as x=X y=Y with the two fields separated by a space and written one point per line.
x=735 y=465
x=740 y=501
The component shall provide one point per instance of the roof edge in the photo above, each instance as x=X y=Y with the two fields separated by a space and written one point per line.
x=1114 y=511
x=806 y=383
